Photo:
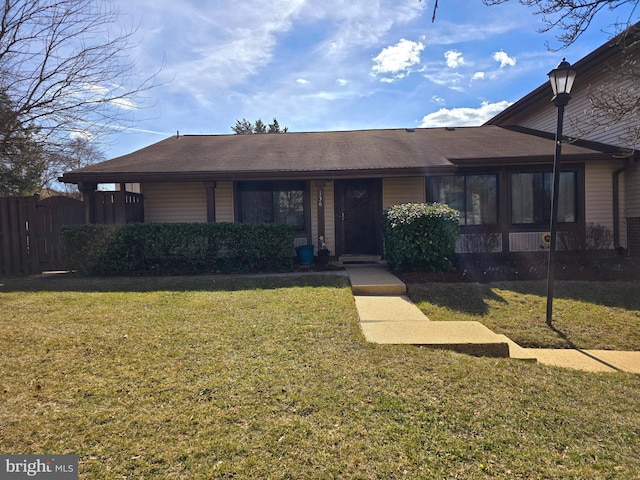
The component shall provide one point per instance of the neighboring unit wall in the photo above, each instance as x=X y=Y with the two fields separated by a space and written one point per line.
x=599 y=196
x=577 y=121
x=175 y=202
x=396 y=191
x=632 y=183
x=224 y=202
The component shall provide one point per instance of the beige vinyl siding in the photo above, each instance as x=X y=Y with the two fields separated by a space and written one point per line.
x=396 y=191
x=599 y=196
x=175 y=202
x=632 y=183
x=577 y=112
x=224 y=202
x=329 y=216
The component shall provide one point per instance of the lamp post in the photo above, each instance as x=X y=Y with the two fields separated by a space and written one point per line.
x=561 y=79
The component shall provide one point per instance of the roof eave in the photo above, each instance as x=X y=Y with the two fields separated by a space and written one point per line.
x=198 y=176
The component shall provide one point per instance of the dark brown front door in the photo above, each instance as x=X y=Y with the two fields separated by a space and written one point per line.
x=359 y=214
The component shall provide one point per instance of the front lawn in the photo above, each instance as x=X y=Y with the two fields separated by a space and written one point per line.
x=586 y=315
x=271 y=378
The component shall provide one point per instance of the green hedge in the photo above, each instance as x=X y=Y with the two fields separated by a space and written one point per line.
x=178 y=248
x=420 y=236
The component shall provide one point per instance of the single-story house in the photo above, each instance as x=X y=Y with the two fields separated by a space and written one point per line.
x=336 y=185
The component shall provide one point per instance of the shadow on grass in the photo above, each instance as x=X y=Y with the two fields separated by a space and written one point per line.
x=69 y=282
x=620 y=294
x=472 y=298
x=469 y=298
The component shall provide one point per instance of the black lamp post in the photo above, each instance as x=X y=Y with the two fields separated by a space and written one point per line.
x=561 y=79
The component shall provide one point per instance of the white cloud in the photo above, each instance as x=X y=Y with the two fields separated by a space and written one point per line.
x=454 y=59
x=463 y=117
x=504 y=59
x=478 y=76
x=398 y=59
x=360 y=23
x=302 y=81
x=446 y=78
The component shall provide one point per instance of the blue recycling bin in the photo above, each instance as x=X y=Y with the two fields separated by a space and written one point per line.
x=305 y=254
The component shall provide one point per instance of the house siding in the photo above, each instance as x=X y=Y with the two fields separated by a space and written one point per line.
x=544 y=117
x=175 y=202
x=396 y=191
x=599 y=197
x=632 y=206
x=599 y=194
x=632 y=183
x=225 y=211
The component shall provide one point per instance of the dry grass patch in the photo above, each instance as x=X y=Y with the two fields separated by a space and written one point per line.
x=271 y=378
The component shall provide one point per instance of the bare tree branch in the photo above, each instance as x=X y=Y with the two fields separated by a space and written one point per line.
x=65 y=64
x=571 y=18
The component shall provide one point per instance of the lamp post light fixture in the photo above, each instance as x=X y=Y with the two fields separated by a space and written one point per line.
x=561 y=79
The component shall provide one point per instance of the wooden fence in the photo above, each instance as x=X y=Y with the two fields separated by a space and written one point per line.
x=30 y=227
x=30 y=232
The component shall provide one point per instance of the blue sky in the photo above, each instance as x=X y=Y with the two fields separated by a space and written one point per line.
x=332 y=64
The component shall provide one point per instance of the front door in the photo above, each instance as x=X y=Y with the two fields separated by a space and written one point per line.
x=359 y=217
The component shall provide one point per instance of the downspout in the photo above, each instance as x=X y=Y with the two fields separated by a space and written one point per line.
x=616 y=204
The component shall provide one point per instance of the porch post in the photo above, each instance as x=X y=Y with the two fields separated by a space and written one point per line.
x=211 y=201
x=88 y=191
x=321 y=201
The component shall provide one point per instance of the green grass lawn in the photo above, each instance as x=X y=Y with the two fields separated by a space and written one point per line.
x=271 y=378
x=586 y=315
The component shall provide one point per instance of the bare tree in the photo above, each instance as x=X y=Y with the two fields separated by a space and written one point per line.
x=76 y=153
x=571 y=18
x=65 y=65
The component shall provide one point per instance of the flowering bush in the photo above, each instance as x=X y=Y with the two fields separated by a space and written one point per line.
x=420 y=236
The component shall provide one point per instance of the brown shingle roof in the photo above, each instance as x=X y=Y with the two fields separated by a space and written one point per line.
x=392 y=152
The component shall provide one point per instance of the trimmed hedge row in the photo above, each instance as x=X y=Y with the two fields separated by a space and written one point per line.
x=178 y=248
x=420 y=236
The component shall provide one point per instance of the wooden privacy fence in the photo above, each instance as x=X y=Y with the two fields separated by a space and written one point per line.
x=118 y=207
x=30 y=227
x=30 y=232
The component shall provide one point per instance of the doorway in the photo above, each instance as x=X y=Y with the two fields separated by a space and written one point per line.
x=359 y=216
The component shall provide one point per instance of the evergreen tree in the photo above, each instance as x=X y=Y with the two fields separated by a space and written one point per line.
x=245 y=127
x=22 y=162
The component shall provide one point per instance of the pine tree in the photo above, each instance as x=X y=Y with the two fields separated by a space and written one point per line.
x=245 y=127
x=22 y=162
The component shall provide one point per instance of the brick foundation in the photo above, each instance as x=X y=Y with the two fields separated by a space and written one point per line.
x=633 y=236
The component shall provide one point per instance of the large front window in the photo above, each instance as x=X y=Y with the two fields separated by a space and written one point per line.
x=474 y=196
x=531 y=197
x=272 y=202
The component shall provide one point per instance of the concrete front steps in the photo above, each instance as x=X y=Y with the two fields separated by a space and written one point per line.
x=372 y=279
x=387 y=316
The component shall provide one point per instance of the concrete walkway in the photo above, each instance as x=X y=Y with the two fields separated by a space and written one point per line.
x=387 y=316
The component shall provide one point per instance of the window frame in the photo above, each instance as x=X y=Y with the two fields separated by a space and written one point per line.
x=434 y=196
x=272 y=186
x=577 y=209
